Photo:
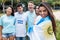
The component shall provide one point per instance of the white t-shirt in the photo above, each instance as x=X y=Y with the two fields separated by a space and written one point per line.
x=20 y=24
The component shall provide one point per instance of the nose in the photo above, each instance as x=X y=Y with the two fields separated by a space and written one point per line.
x=42 y=12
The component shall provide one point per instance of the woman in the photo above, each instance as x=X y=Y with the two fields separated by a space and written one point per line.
x=45 y=28
x=36 y=10
x=7 y=22
x=37 y=14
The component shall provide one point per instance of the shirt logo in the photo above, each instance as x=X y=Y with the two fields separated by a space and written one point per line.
x=20 y=21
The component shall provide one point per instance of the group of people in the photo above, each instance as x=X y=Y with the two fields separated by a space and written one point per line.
x=40 y=22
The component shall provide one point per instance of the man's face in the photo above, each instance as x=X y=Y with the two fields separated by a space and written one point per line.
x=20 y=9
x=30 y=6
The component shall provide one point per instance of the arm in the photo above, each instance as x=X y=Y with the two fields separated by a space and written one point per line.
x=1 y=28
x=0 y=32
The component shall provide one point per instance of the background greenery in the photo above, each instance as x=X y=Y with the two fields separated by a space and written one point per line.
x=53 y=3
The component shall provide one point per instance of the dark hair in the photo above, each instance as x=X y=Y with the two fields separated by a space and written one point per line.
x=50 y=13
x=12 y=10
x=35 y=9
x=19 y=4
x=36 y=6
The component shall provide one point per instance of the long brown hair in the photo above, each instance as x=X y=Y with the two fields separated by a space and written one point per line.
x=50 y=14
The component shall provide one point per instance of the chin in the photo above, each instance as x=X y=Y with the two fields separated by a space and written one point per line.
x=43 y=16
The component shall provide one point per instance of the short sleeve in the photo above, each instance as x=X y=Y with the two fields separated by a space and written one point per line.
x=1 y=23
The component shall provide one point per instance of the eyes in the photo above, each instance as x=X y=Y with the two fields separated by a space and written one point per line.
x=19 y=7
x=43 y=10
x=30 y=5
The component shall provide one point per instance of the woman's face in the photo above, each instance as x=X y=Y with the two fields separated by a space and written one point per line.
x=9 y=11
x=37 y=10
x=43 y=11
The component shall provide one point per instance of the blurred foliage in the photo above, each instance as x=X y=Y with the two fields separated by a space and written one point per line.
x=58 y=30
x=37 y=1
x=52 y=2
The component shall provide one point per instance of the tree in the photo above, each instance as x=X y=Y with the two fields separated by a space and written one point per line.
x=18 y=1
x=36 y=2
x=44 y=0
x=54 y=3
x=12 y=2
x=3 y=2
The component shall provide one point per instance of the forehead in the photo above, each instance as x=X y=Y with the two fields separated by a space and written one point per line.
x=42 y=8
x=9 y=8
x=30 y=4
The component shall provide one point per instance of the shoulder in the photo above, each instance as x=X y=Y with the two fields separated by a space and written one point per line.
x=15 y=13
x=38 y=17
x=27 y=11
x=13 y=17
x=24 y=13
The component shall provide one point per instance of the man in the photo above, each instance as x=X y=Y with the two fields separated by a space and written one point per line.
x=21 y=19
x=31 y=17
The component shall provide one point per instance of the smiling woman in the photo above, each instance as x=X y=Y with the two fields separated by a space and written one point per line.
x=9 y=25
x=44 y=29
